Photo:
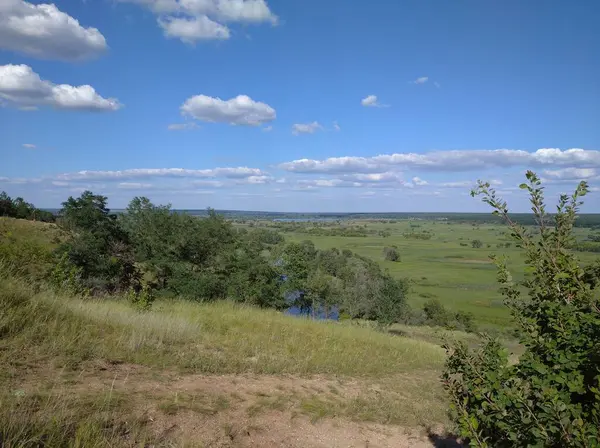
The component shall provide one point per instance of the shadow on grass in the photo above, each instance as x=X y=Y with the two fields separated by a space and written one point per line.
x=444 y=441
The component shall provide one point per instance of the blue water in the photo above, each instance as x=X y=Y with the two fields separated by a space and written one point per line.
x=333 y=312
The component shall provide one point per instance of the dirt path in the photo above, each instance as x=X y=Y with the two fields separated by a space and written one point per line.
x=245 y=410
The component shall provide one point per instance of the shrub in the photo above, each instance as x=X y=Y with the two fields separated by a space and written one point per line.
x=551 y=397
x=476 y=244
x=391 y=253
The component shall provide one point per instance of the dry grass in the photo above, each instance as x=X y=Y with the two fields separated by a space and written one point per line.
x=193 y=359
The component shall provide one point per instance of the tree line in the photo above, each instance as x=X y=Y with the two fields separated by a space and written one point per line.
x=150 y=250
x=19 y=208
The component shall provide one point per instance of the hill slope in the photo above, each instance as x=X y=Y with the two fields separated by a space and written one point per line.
x=100 y=373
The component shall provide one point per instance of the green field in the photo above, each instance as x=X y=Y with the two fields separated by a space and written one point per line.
x=461 y=277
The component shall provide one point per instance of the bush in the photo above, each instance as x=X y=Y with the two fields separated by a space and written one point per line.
x=476 y=244
x=438 y=315
x=391 y=253
x=551 y=397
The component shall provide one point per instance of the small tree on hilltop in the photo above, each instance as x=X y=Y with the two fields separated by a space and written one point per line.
x=551 y=397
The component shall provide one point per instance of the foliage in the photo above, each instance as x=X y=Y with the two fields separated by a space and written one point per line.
x=551 y=397
x=355 y=284
x=586 y=246
x=425 y=235
x=141 y=299
x=98 y=247
x=18 y=208
x=476 y=244
x=437 y=315
x=391 y=253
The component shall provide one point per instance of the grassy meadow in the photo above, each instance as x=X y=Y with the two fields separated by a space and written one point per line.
x=463 y=278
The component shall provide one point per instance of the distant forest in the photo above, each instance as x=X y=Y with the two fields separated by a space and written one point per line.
x=591 y=220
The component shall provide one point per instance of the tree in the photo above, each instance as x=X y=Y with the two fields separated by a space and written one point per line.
x=7 y=208
x=391 y=253
x=551 y=397
x=476 y=244
x=97 y=247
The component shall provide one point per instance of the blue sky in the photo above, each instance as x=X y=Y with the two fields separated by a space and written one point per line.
x=298 y=106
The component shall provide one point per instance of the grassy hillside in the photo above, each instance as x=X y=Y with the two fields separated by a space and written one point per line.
x=100 y=373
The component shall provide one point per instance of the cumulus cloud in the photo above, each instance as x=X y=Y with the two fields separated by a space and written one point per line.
x=572 y=174
x=194 y=20
x=257 y=180
x=193 y=29
x=306 y=128
x=46 y=32
x=372 y=101
x=182 y=126
x=22 y=87
x=28 y=145
x=419 y=182
x=241 y=110
x=421 y=80
x=373 y=177
x=457 y=160
x=136 y=173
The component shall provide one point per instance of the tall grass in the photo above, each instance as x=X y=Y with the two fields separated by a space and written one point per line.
x=41 y=330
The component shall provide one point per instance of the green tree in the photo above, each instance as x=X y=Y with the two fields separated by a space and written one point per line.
x=7 y=207
x=97 y=245
x=391 y=253
x=551 y=397
x=476 y=244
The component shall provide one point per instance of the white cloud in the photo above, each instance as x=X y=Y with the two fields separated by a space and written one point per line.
x=457 y=160
x=208 y=183
x=192 y=29
x=21 y=86
x=243 y=10
x=241 y=110
x=569 y=174
x=421 y=80
x=372 y=101
x=306 y=128
x=136 y=173
x=420 y=182
x=182 y=126
x=460 y=184
x=46 y=32
x=193 y=20
x=373 y=177
x=257 y=180
x=28 y=145
x=328 y=183
x=336 y=126
x=133 y=186
x=468 y=184
x=332 y=165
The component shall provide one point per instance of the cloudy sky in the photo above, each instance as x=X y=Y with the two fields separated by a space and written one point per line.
x=308 y=105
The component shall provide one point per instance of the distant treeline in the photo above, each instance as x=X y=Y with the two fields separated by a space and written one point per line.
x=19 y=208
x=591 y=220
